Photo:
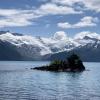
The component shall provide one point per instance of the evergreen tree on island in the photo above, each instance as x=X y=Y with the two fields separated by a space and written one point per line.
x=72 y=64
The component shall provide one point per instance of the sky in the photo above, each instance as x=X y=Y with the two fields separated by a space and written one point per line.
x=46 y=17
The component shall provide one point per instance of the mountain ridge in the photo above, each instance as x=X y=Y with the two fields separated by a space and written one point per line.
x=27 y=47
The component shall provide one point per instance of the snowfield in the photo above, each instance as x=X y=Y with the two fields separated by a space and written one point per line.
x=36 y=47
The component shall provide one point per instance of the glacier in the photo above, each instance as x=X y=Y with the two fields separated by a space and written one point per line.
x=35 y=47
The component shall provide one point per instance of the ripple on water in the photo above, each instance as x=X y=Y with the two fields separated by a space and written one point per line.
x=27 y=84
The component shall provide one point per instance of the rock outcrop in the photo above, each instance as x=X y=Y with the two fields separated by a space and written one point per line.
x=72 y=64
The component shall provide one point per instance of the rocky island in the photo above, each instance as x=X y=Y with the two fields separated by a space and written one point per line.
x=72 y=64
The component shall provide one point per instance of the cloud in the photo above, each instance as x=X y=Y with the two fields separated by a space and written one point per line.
x=8 y=12
x=54 y=9
x=92 y=5
x=19 y=17
x=60 y=35
x=64 y=25
x=66 y=2
x=87 y=21
x=83 y=34
x=11 y=22
x=16 y=17
x=87 y=4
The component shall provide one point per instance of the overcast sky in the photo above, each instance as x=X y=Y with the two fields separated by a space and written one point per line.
x=46 y=17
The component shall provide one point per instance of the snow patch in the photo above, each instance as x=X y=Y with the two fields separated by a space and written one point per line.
x=81 y=35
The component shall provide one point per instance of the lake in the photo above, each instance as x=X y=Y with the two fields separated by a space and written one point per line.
x=18 y=82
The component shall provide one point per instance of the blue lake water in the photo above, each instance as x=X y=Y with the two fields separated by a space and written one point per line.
x=18 y=82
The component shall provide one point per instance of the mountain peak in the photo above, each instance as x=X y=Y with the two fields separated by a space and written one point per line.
x=85 y=35
x=15 y=34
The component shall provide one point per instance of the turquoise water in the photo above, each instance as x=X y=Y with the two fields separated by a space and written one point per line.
x=18 y=82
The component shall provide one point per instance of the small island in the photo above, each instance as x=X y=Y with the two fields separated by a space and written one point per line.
x=72 y=64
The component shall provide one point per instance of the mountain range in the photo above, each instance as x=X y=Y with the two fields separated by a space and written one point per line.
x=15 y=46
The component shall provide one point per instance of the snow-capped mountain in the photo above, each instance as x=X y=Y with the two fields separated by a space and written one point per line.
x=88 y=48
x=87 y=38
x=14 y=46
x=30 y=48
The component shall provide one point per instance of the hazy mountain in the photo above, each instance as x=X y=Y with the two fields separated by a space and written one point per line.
x=15 y=46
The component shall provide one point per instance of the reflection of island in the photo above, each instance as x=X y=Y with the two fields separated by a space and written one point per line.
x=72 y=64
